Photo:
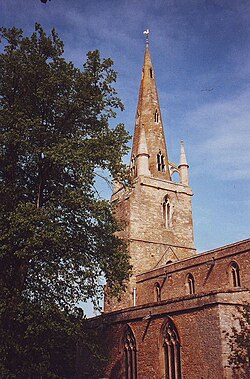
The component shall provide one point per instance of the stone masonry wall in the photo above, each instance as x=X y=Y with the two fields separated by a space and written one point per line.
x=151 y=244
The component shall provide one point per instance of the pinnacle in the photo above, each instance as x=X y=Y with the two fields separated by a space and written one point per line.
x=142 y=148
x=183 y=158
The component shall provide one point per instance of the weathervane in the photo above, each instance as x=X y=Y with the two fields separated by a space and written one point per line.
x=146 y=32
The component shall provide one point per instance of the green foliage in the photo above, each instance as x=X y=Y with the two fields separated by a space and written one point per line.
x=239 y=342
x=57 y=237
x=38 y=342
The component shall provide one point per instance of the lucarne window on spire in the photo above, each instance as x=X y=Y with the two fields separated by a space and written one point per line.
x=160 y=162
x=156 y=116
x=151 y=73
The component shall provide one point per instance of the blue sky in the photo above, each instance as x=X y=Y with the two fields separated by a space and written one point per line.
x=201 y=56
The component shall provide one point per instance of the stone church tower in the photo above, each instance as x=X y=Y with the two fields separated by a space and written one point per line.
x=157 y=211
x=179 y=308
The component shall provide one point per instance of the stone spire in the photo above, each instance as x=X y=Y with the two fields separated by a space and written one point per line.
x=148 y=118
x=156 y=212
x=183 y=166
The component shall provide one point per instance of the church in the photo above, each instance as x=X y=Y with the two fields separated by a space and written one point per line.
x=171 y=321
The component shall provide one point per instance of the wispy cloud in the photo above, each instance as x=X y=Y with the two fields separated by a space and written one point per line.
x=223 y=130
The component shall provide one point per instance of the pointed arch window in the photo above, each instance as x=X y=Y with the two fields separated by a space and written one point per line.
x=166 y=212
x=130 y=354
x=151 y=73
x=133 y=166
x=190 y=284
x=235 y=274
x=160 y=162
x=156 y=116
x=157 y=290
x=172 y=353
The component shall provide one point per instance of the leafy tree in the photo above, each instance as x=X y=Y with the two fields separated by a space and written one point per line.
x=239 y=343
x=57 y=235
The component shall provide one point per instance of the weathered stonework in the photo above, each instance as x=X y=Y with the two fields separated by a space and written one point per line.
x=151 y=242
x=171 y=322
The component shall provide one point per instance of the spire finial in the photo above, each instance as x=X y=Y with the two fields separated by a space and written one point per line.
x=146 y=32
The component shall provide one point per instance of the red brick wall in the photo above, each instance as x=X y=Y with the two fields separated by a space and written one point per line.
x=211 y=272
x=200 y=319
x=200 y=346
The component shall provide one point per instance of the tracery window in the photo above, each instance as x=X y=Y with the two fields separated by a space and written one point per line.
x=157 y=289
x=190 y=284
x=235 y=274
x=172 y=354
x=166 y=212
x=130 y=354
x=160 y=162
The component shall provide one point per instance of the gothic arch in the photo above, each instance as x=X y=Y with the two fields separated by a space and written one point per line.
x=170 y=351
x=130 y=353
x=157 y=292
x=174 y=172
x=167 y=212
x=190 y=284
x=175 y=176
x=133 y=169
x=161 y=166
x=156 y=117
x=234 y=274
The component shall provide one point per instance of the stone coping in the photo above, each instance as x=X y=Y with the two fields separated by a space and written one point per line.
x=185 y=304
